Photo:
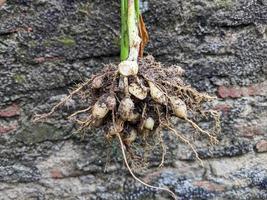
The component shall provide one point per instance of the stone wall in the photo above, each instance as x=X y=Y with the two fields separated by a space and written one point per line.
x=46 y=46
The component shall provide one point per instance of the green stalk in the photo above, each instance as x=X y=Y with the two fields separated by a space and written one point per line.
x=134 y=39
x=137 y=9
x=124 y=31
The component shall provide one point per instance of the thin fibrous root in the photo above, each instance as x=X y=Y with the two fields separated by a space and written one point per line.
x=79 y=111
x=163 y=146
x=190 y=90
x=86 y=125
x=37 y=117
x=212 y=138
x=134 y=176
x=216 y=116
x=161 y=143
x=161 y=140
x=185 y=141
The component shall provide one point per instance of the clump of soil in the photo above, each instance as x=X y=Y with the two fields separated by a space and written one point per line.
x=138 y=107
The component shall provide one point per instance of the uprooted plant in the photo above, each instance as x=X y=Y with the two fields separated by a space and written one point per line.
x=136 y=99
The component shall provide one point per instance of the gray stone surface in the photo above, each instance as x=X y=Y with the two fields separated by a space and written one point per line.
x=46 y=46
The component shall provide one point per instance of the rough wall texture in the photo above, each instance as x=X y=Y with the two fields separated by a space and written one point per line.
x=48 y=45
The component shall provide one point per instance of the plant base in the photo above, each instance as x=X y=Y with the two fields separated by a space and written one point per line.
x=136 y=109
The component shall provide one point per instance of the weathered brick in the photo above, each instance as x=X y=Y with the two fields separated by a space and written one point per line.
x=39 y=59
x=223 y=107
x=236 y=92
x=56 y=173
x=210 y=186
x=2 y=2
x=6 y=129
x=10 y=111
x=47 y=59
x=261 y=146
x=233 y=92
x=223 y=92
x=249 y=131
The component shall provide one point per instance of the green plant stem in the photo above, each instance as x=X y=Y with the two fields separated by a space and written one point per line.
x=124 y=31
x=134 y=39
x=137 y=9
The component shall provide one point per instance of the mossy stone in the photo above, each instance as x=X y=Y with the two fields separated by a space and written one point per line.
x=67 y=41
x=36 y=133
